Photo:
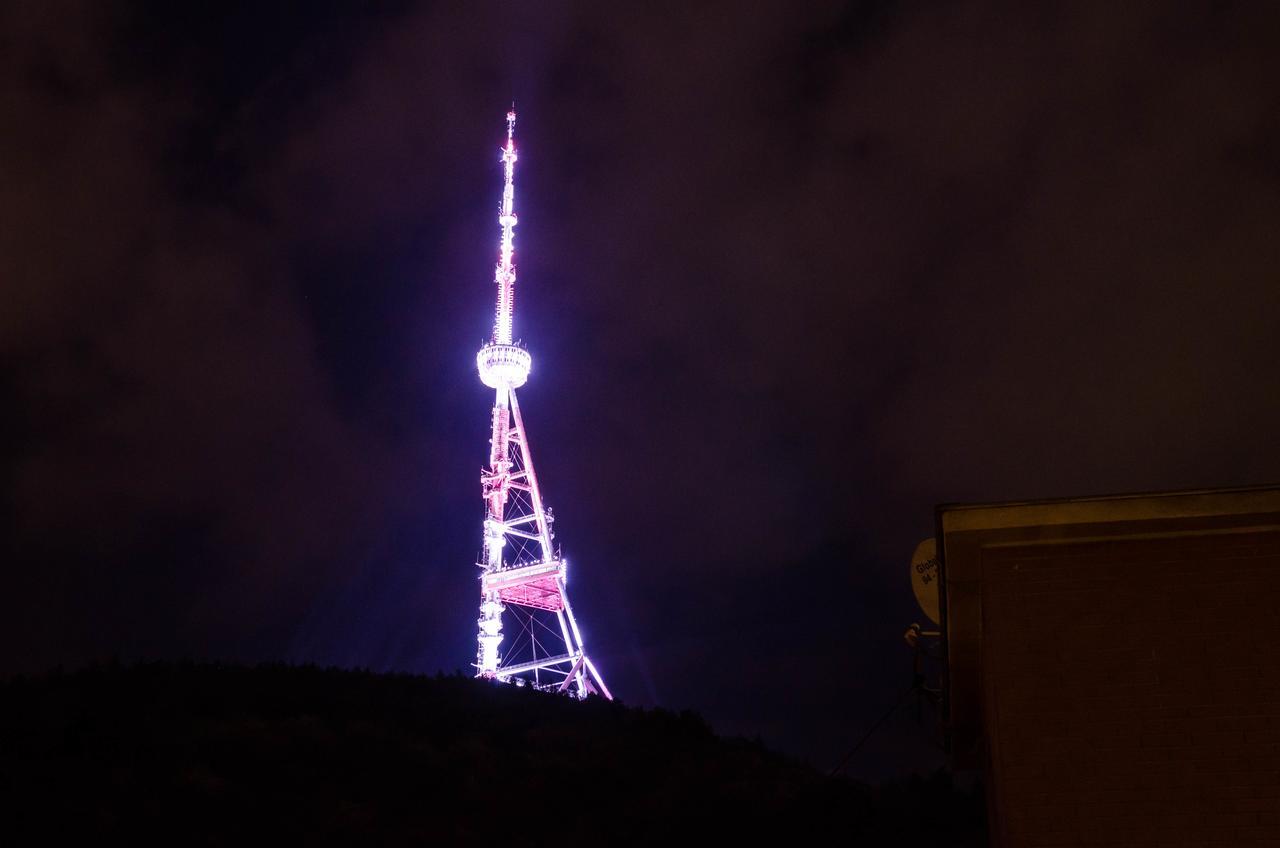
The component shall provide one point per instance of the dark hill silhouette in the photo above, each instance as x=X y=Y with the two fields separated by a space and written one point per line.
x=225 y=755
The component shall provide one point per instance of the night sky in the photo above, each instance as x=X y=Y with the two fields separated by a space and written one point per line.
x=791 y=274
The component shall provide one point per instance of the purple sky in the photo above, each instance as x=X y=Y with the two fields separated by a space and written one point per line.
x=791 y=274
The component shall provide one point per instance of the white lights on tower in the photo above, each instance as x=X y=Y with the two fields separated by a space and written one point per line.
x=523 y=578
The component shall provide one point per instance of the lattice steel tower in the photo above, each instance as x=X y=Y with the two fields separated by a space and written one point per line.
x=528 y=583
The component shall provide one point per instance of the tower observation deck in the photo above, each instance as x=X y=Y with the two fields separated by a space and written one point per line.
x=523 y=577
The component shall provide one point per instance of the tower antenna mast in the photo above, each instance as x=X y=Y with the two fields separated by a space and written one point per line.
x=505 y=274
x=526 y=584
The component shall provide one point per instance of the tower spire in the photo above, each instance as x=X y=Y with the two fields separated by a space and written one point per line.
x=523 y=578
x=505 y=274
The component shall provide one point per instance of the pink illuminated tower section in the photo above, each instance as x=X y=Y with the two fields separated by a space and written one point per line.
x=523 y=577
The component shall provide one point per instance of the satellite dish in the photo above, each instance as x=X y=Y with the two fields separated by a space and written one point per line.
x=924 y=577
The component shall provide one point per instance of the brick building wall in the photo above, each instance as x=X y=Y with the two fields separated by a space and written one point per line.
x=1119 y=679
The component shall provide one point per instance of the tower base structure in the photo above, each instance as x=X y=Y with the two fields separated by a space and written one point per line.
x=529 y=590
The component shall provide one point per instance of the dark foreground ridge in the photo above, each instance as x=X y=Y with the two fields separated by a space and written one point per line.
x=226 y=755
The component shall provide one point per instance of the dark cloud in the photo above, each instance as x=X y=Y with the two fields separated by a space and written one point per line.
x=790 y=277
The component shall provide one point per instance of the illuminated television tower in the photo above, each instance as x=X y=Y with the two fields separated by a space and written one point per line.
x=528 y=583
